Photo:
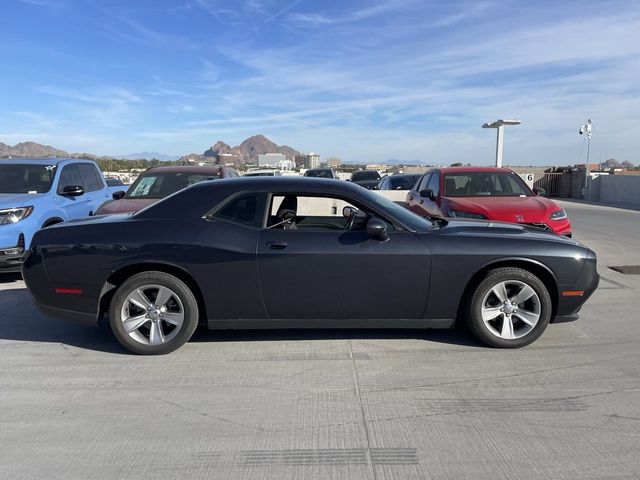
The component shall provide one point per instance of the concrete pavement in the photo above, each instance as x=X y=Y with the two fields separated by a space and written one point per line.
x=333 y=404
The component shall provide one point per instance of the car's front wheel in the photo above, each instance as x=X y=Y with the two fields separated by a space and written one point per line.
x=509 y=308
x=153 y=313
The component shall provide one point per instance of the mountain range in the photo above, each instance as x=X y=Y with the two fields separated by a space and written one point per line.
x=163 y=157
x=246 y=152
x=30 y=149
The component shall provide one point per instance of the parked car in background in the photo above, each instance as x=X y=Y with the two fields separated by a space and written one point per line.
x=37 y=193
x=116 y=185
x=485 y=193
x=157 y=183
x=243 y=254
x=366 y=178
x=321 y=173
x=399 y=181
x=263 y=173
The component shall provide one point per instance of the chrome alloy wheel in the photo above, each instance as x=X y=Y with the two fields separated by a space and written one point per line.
x=511 y=309
x=152 y=314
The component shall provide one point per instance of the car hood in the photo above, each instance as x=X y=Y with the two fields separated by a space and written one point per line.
x=125 y=205
x=506 y=209
x=11 y=200
x=511 y=230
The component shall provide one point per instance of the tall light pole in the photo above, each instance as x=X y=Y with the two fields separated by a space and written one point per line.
x=499 y=126
x=586 y=131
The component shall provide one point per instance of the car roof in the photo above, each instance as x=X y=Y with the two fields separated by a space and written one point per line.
x=284 y=183
x=470 y=169
x=188 y=168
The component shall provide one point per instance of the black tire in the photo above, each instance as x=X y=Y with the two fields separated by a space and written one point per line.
x=181 y=298
x=487 y=332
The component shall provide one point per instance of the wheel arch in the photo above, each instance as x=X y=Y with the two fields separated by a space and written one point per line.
x=119 y=276
x=52 y=221
x=544 y=273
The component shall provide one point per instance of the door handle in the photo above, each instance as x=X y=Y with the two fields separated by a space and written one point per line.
x=421 y=202
x=276 y=244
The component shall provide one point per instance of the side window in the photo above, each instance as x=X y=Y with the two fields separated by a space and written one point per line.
x=246 y=210
x=434 y=184
x=70 y=176
x=321 y=213
x=424 y=182
x=90 y=177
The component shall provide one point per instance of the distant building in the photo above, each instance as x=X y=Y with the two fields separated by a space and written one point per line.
x=285 y=164
x=312 y=160
x=299 y=161
x=415 y=169
x=334 y=162
x=375 y=166
x=229 y=159
x=270 y=159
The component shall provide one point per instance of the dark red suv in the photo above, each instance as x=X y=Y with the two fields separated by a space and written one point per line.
x=489 y=193
x=156 y=183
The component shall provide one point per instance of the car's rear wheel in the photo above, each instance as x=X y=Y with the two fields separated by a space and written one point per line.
x=509 y=308
x=153 y=313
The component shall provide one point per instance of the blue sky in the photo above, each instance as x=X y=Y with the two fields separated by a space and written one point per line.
x=363 y=80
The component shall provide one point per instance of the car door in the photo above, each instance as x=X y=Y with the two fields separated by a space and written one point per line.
x=326 y=273
x=431 y=205
x=94 y=186
x=415 y=201
x=73 y=206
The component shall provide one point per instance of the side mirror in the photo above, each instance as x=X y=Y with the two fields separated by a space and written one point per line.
x=541 y=192
x=348 y=211
x=118 y=195
x=427 y=193
x=72 y=191
x=377 y=229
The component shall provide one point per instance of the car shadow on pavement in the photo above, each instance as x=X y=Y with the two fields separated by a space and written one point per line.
x=457 y=336
x=8 y=278
x=22 y=322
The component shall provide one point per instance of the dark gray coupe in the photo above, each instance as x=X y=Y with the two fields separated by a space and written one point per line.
x=286 y=252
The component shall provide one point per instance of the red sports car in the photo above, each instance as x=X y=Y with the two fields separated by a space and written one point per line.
x=485 y=193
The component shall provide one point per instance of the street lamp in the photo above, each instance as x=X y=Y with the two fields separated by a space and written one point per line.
x=586 y=131
x=499 y=126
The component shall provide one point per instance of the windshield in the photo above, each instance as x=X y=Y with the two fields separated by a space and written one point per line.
x=402 y=182
x=163 y=184
x=413 y=221
x=319 y=173
x=365 y=175
x=25 y=178
x=484 y=184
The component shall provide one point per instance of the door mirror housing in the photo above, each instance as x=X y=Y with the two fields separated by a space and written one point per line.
x=541 y=192
x=377 y=229
x=72 y=190
x=119 y=195
x=428 y=193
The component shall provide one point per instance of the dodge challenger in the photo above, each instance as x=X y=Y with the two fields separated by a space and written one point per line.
x=283 y=252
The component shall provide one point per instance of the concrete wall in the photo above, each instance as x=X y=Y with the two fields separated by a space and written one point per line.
x=620 y=190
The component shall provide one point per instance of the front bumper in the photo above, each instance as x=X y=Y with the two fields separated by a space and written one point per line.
x=11 y=258
x=587 y=282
